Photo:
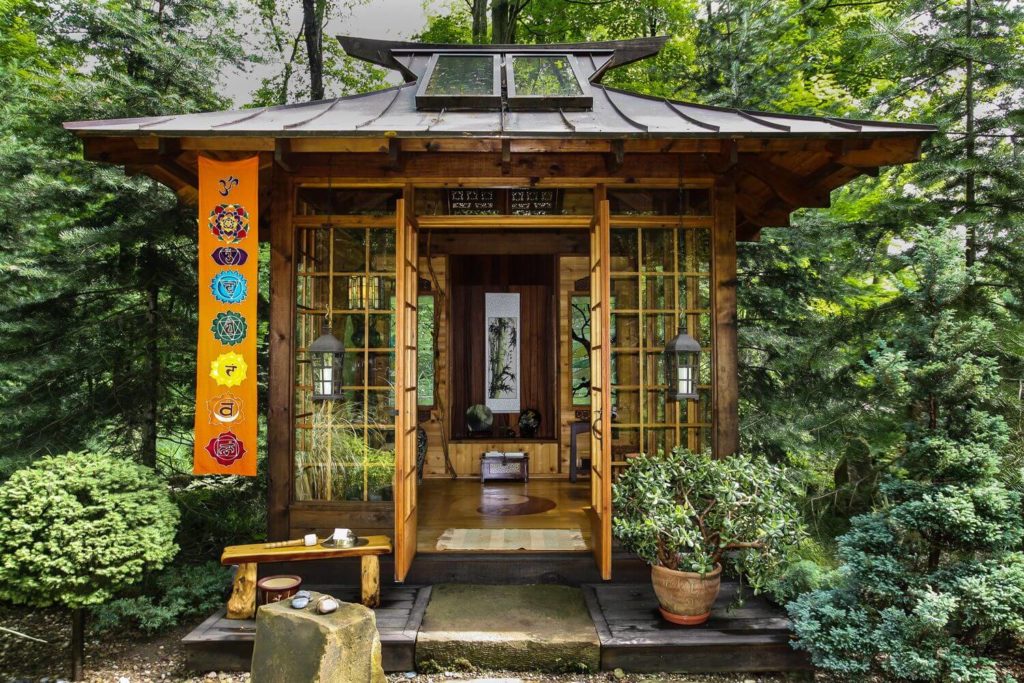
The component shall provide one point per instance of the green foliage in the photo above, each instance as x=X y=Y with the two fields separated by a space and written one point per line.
x=76 y=529
x=689 y=512
x=932 y=583
x=166 y=599
x=218 y=512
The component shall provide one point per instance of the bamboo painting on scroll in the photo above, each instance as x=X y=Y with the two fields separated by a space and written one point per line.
x=502 y=352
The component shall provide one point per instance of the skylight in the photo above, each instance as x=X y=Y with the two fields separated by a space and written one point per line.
x=521 y=81
x=551 y=81
x=461 y=81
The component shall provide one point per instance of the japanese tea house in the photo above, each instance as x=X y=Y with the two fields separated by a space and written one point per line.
x=496 y=170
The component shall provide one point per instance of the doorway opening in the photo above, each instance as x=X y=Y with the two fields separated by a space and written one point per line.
x=507 y=335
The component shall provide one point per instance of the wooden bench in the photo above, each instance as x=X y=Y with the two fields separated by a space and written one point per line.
x=242 y=603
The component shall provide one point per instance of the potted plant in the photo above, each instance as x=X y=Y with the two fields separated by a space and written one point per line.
x=687 y=515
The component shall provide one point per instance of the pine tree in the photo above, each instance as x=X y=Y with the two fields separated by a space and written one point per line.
x=933 y=581
x=97 y=285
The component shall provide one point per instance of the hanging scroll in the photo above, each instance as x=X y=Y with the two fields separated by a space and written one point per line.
x=225 y=424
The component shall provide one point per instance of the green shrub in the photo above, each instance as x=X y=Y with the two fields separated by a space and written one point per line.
x=689 y=512
x=217 y=512
x=166 y=599
x=932 y=582
x=76 y=529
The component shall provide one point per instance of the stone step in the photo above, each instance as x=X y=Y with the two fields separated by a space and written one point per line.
x=510 y=628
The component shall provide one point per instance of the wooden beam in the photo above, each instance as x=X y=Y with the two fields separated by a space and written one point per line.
x=280 y=394
x=725 y=358
x=614 y=159
x=790 y=187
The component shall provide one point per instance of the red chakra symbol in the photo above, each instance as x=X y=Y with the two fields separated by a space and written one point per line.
x=225 y=448
x=229 y=222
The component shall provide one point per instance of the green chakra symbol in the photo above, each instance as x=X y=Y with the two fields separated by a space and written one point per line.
x=229 y=328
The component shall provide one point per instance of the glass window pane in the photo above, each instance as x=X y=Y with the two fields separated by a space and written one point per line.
x=658 y=249
x=349 y=250
x=623 y=248
x=625 y=292
x=658 y=293
x=382 y=250
x=425 y=351
x=544 y=76
x=579 y=341
x=462 y=75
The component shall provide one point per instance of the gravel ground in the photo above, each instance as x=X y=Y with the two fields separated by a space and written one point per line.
x=128 y=658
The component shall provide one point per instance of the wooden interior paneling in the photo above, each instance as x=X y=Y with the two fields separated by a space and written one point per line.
x=533 y=278
x=465 y=455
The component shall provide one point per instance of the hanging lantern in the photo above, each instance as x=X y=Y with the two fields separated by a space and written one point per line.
x=327 y=354
x=682 y=363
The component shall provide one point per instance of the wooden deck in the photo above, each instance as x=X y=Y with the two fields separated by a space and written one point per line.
x=634 y=637
x=221 y=644
x=751 y=638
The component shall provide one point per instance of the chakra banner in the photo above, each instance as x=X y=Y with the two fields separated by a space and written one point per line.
x=226 y=354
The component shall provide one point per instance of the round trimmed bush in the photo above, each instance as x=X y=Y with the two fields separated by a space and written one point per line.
x=78 y=528
x=75 y=529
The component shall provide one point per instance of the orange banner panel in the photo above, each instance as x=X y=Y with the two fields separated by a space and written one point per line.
x=226 y=415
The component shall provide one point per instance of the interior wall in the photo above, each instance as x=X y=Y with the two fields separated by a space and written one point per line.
x=534 y=278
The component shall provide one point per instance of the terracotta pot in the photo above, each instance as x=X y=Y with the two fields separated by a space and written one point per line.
x=686 y=597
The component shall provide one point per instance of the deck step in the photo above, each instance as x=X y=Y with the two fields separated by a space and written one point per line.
x=222 y=644
x=752 y=637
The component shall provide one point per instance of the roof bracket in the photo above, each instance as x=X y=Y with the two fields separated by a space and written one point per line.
x=167 y=154
x=506 y=156
x=282 y=154
x=394 y=153
x=613 y=160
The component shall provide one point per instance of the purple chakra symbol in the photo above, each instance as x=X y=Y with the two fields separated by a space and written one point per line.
x=229 y=256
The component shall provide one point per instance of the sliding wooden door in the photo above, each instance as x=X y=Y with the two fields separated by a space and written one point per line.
x=600 y=393
x=407 y=273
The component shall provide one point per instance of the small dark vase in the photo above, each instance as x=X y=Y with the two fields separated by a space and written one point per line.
x=529 y=423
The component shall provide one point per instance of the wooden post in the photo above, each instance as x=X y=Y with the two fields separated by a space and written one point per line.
x=371 y=581
x=242 y=603
x=725 y=357
x=280 y=396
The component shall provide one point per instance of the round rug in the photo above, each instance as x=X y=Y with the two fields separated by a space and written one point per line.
x=512 y=504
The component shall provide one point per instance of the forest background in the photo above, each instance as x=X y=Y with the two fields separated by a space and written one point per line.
x=98 y=269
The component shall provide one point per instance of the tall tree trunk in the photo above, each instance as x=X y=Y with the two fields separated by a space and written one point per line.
x=153 y=384
x=969 y=182
x=77 y=644
x=504 y=14
x=479 y=8
x=314 y=48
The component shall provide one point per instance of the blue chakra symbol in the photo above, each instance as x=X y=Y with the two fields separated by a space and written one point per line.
x=229 y=256
x=229 y=287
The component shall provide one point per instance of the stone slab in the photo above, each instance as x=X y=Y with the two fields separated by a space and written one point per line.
x=511 y=628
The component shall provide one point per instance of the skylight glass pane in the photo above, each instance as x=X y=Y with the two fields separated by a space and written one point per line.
x=544 y=76
x=462 y=75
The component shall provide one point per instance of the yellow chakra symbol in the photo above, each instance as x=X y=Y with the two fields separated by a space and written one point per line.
x=229 y=369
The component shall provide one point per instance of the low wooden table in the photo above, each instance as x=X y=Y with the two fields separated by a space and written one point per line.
x=242 y=603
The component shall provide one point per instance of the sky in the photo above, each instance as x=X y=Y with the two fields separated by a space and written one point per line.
x=394 y=19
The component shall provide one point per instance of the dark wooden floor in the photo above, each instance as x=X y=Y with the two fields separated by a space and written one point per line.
x=634 y=637
x=221 y=644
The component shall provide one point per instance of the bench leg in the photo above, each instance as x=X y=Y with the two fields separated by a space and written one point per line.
x=242 y=603
x=371 y=581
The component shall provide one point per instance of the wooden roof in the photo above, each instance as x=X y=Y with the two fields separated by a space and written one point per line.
x=781 y=162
